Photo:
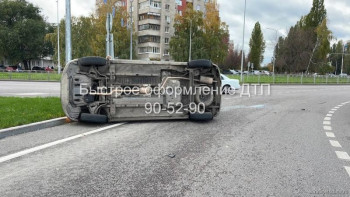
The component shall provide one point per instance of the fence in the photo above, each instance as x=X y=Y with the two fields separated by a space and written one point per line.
x=30 y=75
x=293 y=79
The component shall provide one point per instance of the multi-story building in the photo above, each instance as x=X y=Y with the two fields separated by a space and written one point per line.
x=153 y=21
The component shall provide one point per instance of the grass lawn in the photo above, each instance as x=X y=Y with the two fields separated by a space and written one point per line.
x=16 y=111
x=30 y=76
x=291 y=79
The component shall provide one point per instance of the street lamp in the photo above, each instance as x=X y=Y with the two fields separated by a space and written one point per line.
x=274 y=54
x=245 y=6
x=58 y=42
x=68 y=33
x=131 y=27
x=342 y=61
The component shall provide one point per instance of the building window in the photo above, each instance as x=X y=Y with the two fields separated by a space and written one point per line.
x=198 y=7
x=166 y=52
x=167 y=6
x=154 y=50
x=180 y=12
x=149 y=15
x=167 y=29
x=167 y=19
x=156 y=4
x=149 y=27
x=148 y=38
x=166 y=40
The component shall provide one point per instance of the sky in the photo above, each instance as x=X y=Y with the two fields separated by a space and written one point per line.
x=275 y=16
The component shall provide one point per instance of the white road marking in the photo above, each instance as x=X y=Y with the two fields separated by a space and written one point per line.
x=329 y=115
x=334 y=110
x=327 y=122
x=48 y=145
x=340 y=105
x=342 y=155
x=335 y=143
x=337 y=107
x=327 y=128
x=328 y=118
x=331 y=112
x=347 y=168
x=330 y=134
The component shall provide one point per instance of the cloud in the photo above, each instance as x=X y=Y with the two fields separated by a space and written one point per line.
x=276 y=14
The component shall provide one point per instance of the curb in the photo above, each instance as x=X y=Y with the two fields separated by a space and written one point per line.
x=31 y=127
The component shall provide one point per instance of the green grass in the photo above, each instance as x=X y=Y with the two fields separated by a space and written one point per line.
x=16 y=111
x=291 y=79
x=30 y=76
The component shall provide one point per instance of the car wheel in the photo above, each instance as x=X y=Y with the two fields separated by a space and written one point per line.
x=226 y=89
x=200 y=64
x=93 y=118
x=207 y=116
x=92 y=61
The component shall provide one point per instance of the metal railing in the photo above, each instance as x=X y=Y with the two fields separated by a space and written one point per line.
x=294 y=79
x=30 y=75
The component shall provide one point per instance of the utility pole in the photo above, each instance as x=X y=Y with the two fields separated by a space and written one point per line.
x=68 y=33
x=190 y=52
x=274 y=54
x=242 y=62
x=342 y=60
x=131 y=27
x=58 y=41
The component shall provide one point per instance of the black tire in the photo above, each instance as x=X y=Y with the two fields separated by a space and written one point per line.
x=207 y=116
x=92 y=61
x=93 y=118
x=200 y=64
x=226 y=89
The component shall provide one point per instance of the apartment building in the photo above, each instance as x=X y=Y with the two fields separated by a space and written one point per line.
x=153 y=21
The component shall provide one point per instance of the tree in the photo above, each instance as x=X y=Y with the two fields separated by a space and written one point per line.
x=233 y=58
x=209 y=35
x=257 y=46
x=22 y=32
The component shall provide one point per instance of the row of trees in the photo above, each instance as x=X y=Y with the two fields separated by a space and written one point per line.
x=307 y=45
x=209 y=35
x=89 y=33
x=22 y=32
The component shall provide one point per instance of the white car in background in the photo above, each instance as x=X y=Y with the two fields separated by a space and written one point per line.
x=229 y=84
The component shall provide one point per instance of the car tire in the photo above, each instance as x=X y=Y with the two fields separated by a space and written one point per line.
x=207 y=116
x=93 y=118
x=200 y=64
x=92 y=61
x=226 y=89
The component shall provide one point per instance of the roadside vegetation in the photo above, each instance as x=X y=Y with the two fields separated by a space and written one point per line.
x=291 y=79
x=30 y=76
x=19 y=111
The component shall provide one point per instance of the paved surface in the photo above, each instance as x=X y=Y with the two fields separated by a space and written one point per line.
x=29 y=89
x=274 y=145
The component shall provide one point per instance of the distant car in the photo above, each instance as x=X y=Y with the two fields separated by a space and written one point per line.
x=245 y=72
x=227 y=72
x=37 y=68
x=48 y=69
x=343 y=75
x=235 y=72
x=229 y=84
x=2 y=68
x=265 y=72
x=256 y=72
x=9 y=69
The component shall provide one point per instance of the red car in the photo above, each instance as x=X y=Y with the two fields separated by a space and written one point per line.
x=48 y=69
x=9 y=69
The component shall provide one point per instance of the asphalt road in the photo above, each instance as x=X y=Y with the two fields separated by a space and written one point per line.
x=29 y=89
x=276 y=145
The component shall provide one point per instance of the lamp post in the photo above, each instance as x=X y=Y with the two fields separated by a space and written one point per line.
x=58 y=42
x=131 y=27
x=342 y=60
x=190 y=52
x=245 y=6
x=68 y=33
x=274 y=54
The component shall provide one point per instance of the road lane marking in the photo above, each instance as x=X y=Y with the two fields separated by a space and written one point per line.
x=347 y=168
x=327 y=122
x=327 y=128
x=336 y=107
x=331 y=112
x=329 y=115
x=328 y=118
x=342 y=155
x=334 y=110
x=340 y=105
x=335 y=143
x=48 y=145
x=330 y=134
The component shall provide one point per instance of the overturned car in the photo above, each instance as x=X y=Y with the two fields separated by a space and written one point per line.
x=95 y=89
